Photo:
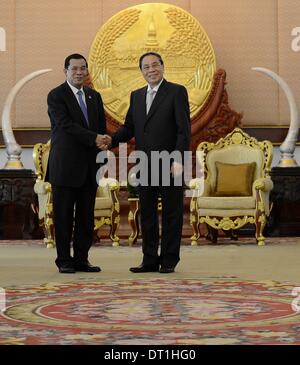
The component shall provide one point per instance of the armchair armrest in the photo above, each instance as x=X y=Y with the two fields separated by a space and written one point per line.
x=196 y=184
x=107 y=186
x=265 y=184
x=110 y=183
x=43 y=191
x=42 y=187
x=200 y=187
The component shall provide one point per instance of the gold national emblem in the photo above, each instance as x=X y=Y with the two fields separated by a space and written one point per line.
x=188 y=55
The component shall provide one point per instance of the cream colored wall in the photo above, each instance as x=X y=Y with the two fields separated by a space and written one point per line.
x=244 y=33
x=7 y=58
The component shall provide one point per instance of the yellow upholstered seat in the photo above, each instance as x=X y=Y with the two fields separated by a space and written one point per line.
x=247 y=161
x=107 y=208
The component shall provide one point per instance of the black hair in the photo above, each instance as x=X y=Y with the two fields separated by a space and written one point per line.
x=150 y=54
x=75 y=56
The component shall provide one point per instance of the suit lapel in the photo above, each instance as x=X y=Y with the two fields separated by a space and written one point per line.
x=141 y=104
x=158 y=98
x=143 y=101
x=89 y=99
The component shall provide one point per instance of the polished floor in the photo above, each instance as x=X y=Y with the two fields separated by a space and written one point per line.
x=29 y=262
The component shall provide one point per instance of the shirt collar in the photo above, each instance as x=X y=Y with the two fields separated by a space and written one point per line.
x=74 y=89
x=156 y=87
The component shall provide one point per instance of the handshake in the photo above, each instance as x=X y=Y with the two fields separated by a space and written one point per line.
x=103 y=141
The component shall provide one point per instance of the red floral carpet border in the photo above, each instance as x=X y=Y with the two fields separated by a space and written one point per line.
x=151 y=311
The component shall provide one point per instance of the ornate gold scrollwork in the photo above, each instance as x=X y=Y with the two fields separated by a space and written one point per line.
x=117 y=207
x=227 y=223
x=193 y=205
x=100 y=222
x=261 y=206
x=237 y=136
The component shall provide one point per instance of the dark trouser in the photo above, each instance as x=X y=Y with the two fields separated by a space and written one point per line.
x=73 y=210
x=172 y=220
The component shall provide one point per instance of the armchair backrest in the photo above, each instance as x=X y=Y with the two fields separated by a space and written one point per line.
x=236 y=148
x=40 y=159
x=234 y=155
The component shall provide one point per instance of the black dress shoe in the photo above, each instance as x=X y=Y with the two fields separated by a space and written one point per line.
x=66 y=269
x=145 y=268
x=166 y=270
x=87 y=267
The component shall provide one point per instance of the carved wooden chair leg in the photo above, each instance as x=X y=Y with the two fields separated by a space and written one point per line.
x=133 y=221
x=48 y=228
x=196 y=229
x=115 y=219
x=260 y=223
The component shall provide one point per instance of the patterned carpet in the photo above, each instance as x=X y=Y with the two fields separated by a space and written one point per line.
x=151 y=312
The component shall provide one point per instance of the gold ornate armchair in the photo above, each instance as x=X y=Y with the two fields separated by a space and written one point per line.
x=236 y=185
x=107 y=206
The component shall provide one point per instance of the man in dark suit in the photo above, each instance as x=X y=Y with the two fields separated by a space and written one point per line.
x=77 y=125
x=159 y=119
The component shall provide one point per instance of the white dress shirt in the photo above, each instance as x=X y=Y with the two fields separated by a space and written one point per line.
x=75 y=91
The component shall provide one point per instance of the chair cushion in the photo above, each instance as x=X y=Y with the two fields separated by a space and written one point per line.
x=234 y=179
x=103 y=203
x=234 y=202
x=102 y=213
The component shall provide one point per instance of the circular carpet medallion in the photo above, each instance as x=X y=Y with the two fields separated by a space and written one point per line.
x=151 y=311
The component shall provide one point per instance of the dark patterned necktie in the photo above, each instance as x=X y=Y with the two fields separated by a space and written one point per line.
x=83 y=107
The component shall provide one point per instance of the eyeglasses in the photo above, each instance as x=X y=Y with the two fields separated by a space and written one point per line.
x=75 y=69
x=154 y=65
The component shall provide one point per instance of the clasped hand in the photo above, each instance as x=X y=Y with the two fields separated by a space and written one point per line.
x=103 y=141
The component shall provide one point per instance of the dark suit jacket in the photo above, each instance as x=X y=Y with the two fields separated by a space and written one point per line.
x=73 y=150
x=167 y=125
